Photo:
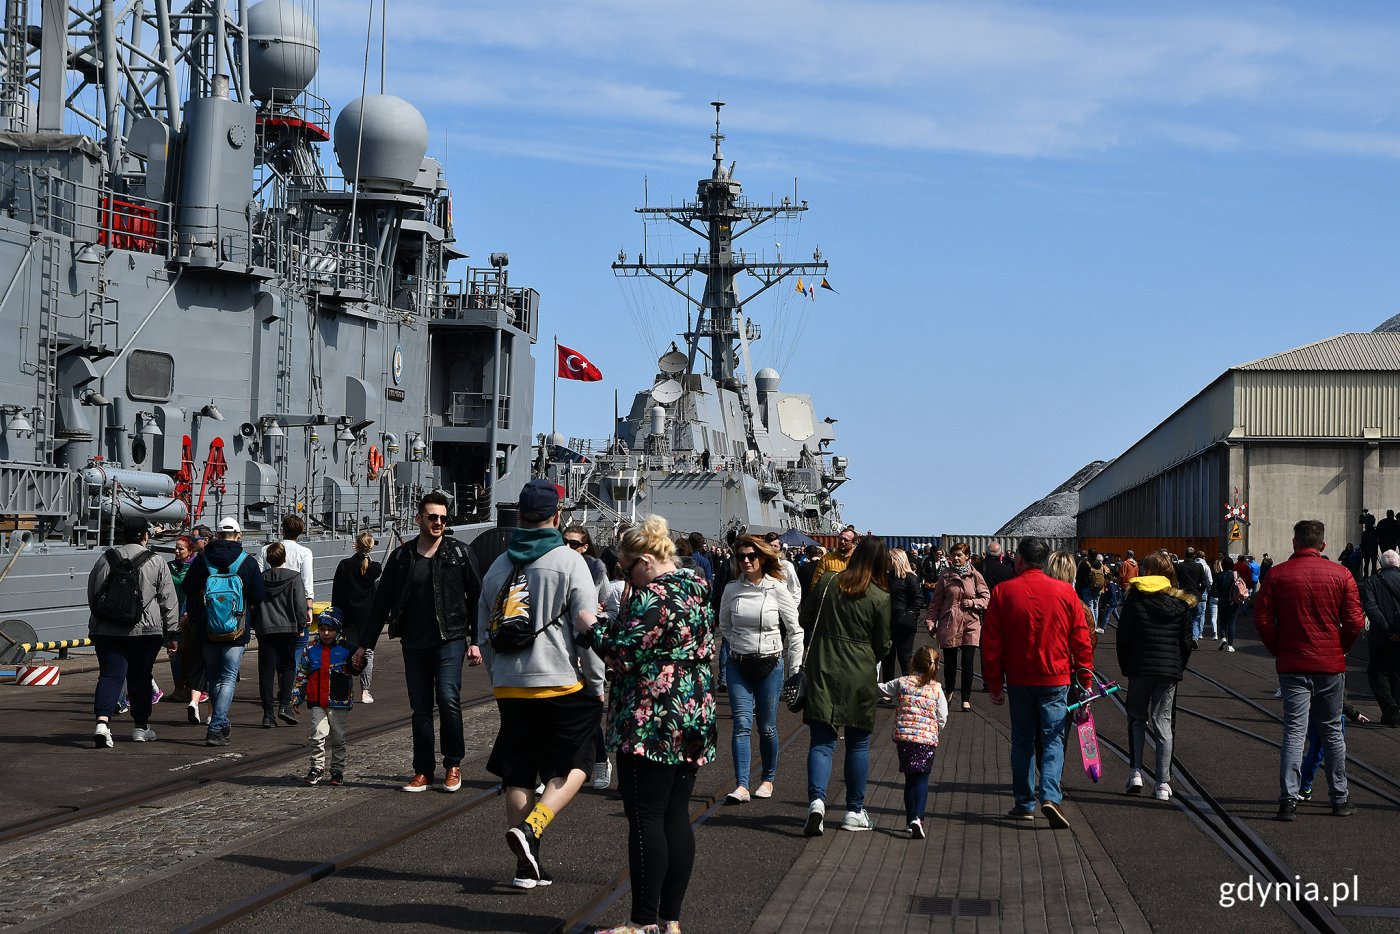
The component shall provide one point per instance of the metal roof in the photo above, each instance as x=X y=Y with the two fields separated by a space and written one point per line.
x=1365 y=352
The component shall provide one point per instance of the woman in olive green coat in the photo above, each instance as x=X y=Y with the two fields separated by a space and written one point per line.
x=847 y=619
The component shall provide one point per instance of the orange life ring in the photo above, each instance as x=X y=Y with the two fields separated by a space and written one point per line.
x=376 y=462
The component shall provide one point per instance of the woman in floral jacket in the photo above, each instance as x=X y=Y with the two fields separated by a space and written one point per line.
x=661 y=721
x=955 y=611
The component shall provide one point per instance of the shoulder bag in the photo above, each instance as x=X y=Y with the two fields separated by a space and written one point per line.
x=795 y=687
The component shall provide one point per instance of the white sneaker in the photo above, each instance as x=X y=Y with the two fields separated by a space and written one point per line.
x=1164 y=792
x=140 y=735
x=366 y=697
x=602 y=775
x=1134 y=785
x=816 y=813
x=856 y=820
x=102 y=736
x=1229 y=648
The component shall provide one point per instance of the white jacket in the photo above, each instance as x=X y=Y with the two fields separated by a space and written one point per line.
x=761 y=619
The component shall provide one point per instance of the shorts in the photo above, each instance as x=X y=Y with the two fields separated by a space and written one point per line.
x=544 y=737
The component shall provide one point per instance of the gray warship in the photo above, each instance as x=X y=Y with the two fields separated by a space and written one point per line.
x=199 y=320
x=713 y=445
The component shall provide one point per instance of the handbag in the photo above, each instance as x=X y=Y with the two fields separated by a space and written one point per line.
x=795 y=687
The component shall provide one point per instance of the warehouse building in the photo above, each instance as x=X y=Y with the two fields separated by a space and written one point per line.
x=1310 y=433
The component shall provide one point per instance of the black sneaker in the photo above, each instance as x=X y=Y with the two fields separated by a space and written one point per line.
x=1304 y=794
x=216 y=738
x=269 y=721
x=285 y=715
x=1342 y=808
x=315 y=776
x=1287 y=811
x=337 y=777
x=526 y=847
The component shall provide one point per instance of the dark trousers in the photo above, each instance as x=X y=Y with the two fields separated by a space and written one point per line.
x=435 y=676
x=192 y=656
x=915 y=795
x=962 y=656
x=277 y=662
x=901 y=651
x=660 y=839
x=1383 y=672
x=125 y=662
x=1226 y=614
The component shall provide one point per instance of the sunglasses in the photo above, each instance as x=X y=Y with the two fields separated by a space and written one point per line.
x=748 y=556
x=581 y=546
x=631 y=567
x=434 y=518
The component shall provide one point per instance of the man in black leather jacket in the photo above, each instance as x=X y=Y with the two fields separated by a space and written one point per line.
x=428 y=595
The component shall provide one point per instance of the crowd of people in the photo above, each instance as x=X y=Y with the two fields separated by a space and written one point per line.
x=605 y=665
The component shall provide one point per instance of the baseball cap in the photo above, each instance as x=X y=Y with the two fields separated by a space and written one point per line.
x=229 y=524
x=539 y=498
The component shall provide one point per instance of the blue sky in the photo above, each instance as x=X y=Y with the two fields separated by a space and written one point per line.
x=1049 y=224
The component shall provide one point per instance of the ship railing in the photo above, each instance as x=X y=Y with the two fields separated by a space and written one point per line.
x=295 y=111
x=95 y=216
x=333 y=265
x=486 y=291
x=215 y=233
x=473 y=410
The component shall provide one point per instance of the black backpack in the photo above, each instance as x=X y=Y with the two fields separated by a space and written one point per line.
x=118 y=601
x=511 y=628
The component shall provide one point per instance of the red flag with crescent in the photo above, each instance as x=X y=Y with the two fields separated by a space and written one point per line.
x=574 y=365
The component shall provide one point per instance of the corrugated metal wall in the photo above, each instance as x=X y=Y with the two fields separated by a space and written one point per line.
x=1318 y=404
x=1185 y=501
x=1141 y=546
x=978 y=543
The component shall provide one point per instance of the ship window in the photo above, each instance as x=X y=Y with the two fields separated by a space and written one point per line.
x=150 y=376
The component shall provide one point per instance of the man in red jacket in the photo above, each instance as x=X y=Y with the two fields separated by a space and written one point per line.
x=1308 y=614
x=1034 y=632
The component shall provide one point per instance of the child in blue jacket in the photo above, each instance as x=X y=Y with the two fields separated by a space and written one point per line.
x=325 y=680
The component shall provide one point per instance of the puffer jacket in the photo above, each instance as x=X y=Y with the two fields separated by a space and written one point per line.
x=1154 y=629
x=957 y=626
x=160 y=609
x=323 y=676
x=920 y=709
x=1308 y=614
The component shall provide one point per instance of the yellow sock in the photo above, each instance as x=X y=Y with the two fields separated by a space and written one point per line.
x=539 y=819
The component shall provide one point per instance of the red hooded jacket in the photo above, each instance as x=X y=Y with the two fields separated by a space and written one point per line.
x=1308 y=614
x=1035 y=633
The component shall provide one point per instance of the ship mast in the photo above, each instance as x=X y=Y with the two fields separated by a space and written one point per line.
x=720 y=215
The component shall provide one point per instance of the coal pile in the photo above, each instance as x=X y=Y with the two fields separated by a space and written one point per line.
x=1053 y=515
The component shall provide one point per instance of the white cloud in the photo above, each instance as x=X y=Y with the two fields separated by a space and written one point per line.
x=997 y=78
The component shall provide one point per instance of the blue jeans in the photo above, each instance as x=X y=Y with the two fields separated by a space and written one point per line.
x=1198 y=618
x=1037 y=718
x=1312 y=700
x=724 y=663
x=1312 y=756
x=819 y=756
x=435 y=676
x=221 y=663
x=1215 y=617
x=1090 y=598
x=745 y=699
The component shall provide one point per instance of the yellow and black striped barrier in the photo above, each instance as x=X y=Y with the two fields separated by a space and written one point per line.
x=61 y=647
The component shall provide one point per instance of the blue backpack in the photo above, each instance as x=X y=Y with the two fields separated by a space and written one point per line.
x=223 y=603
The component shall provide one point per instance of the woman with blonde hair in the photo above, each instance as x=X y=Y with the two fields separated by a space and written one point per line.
x=661 y=715
x=758 y=616
x=847 y=618
x=955 y=611
x=352 y=592
x=1062 y=566
x=905 y=592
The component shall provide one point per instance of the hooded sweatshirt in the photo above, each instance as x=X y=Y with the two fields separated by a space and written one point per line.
x=559 y=586
x=1154 y=629
x=221 y=553
x=283 y=610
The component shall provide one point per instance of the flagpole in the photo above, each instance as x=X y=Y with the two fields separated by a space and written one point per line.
x=554 y=402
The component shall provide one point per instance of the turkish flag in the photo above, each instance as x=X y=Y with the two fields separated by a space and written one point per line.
x=574 y=365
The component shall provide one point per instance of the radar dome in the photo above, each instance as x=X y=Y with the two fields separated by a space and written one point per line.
x=766 y=380
x=392 y=148
x=283 y=50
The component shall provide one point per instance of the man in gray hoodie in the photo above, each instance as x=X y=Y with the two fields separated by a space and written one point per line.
x=550 y=691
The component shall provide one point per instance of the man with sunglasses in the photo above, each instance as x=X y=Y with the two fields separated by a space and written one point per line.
x=427 y=595
x=835 y=561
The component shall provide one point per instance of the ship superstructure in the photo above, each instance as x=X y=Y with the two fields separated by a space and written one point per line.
x=198 y=320
x=713 y=445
